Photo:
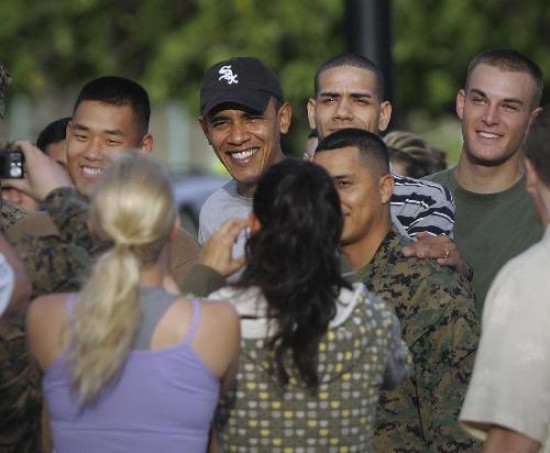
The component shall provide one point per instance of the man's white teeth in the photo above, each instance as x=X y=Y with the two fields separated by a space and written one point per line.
x=243 y=154
x=488 y=135
x=91 y=171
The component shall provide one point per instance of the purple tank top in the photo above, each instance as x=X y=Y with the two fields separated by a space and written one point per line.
x=163 y=402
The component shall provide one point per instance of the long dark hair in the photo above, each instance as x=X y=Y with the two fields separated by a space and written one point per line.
x=294 y=260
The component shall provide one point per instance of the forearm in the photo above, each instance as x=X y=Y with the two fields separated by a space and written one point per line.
x=502 y=440
x=201 y=281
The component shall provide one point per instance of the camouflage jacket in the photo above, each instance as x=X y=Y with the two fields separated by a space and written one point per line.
x=20 y=397
x=58 y=250
x=436 y=308
x=11 y=214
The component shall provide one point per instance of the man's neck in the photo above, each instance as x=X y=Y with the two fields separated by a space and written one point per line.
x=361 y=253
x=486 y=179
x=246 y=190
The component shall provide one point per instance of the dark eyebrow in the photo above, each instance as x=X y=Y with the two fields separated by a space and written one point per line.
x=362 y=95
x=217 y=117
x=478 y=92
x=505 y=100
x=79 y=127
x=356 y=95
x=82 y=128
x=329 y=94
x=341 y=177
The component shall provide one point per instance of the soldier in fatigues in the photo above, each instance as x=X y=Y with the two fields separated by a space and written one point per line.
x=111 y=116
x=435 y=305
x=20 y=397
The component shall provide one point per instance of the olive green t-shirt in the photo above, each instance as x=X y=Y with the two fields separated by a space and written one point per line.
x=490 y=229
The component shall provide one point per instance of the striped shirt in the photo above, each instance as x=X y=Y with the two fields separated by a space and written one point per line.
x=422 y=206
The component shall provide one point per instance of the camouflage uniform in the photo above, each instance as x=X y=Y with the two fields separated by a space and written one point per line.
x=11 y=214
x=20 y=399
x=436 y=308
x=58 y=255
x=20 y=395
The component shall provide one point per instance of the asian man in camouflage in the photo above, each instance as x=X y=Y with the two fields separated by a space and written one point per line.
x=111 y=116
x=434 y=304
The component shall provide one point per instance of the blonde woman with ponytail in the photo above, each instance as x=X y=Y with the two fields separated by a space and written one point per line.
x=129 y=364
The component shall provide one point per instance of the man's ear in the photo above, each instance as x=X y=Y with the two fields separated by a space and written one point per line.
x=69 y=128
x=460 y=98
x=146 y=144
x=176 y=229
x=311 y=106
x=385 y=115
x=253 y=223
x=386 y=187
x=531 y=177
x=532 y=117
x=536 y=189
x=204 y=126
x=285 y=117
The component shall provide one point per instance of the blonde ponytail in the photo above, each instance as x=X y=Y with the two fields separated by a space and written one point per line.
x=132 y=207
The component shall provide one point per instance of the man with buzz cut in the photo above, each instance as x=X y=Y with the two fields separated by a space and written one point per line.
x=495 y=219
x=111 y=116
x=349 y=93
x=434 y=304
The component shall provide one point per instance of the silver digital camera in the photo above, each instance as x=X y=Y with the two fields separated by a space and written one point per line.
x=12 y=164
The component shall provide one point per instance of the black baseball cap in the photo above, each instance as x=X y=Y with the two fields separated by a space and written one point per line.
x=244 y=81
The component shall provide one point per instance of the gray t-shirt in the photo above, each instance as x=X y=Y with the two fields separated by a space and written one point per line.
x=415 y=206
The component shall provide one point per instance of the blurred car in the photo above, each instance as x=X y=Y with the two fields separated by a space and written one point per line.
x=191 y=191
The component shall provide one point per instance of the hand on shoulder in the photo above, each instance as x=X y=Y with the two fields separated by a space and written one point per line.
x=440 y=248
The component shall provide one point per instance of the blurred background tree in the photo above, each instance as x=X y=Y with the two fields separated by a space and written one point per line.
x=53 y=45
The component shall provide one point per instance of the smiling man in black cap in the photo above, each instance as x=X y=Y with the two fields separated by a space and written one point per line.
x=243 y=114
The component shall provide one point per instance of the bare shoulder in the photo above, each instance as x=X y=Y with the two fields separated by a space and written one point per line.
x=217 y=338
x=222 y=307
x=220 y=313
x=45 y=321
x=214 y=315
x=46 y=307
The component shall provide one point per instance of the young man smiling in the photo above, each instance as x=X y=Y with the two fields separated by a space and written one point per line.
x=495 y=219
x=434 y=304
x=243 y=114
x=111 y=116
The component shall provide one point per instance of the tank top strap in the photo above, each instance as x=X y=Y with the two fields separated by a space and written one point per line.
x=196 y=303
x=69 y=305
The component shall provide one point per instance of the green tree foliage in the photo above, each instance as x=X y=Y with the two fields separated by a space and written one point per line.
x=167 y=44
x=434 y=40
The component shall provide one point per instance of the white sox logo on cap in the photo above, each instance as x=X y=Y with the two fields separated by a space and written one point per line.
x=227 y=74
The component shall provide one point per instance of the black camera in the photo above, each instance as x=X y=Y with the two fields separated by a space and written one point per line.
x=12 y=164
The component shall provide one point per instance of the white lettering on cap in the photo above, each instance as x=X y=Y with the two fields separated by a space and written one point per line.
x=227 y=74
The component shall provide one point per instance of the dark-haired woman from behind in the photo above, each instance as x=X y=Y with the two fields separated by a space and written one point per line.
x=315 y=349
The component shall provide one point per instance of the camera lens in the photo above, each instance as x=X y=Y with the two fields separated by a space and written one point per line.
x=15 y=172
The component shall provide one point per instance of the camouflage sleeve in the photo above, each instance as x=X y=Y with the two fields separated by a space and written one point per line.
x=21 y=401
x=202 y=280
x=69 y=212
x=398 y=358
x=53 y=265
x=11 y=213
x=443 y=377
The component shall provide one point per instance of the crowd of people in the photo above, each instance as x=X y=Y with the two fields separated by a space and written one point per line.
x=333 y=303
